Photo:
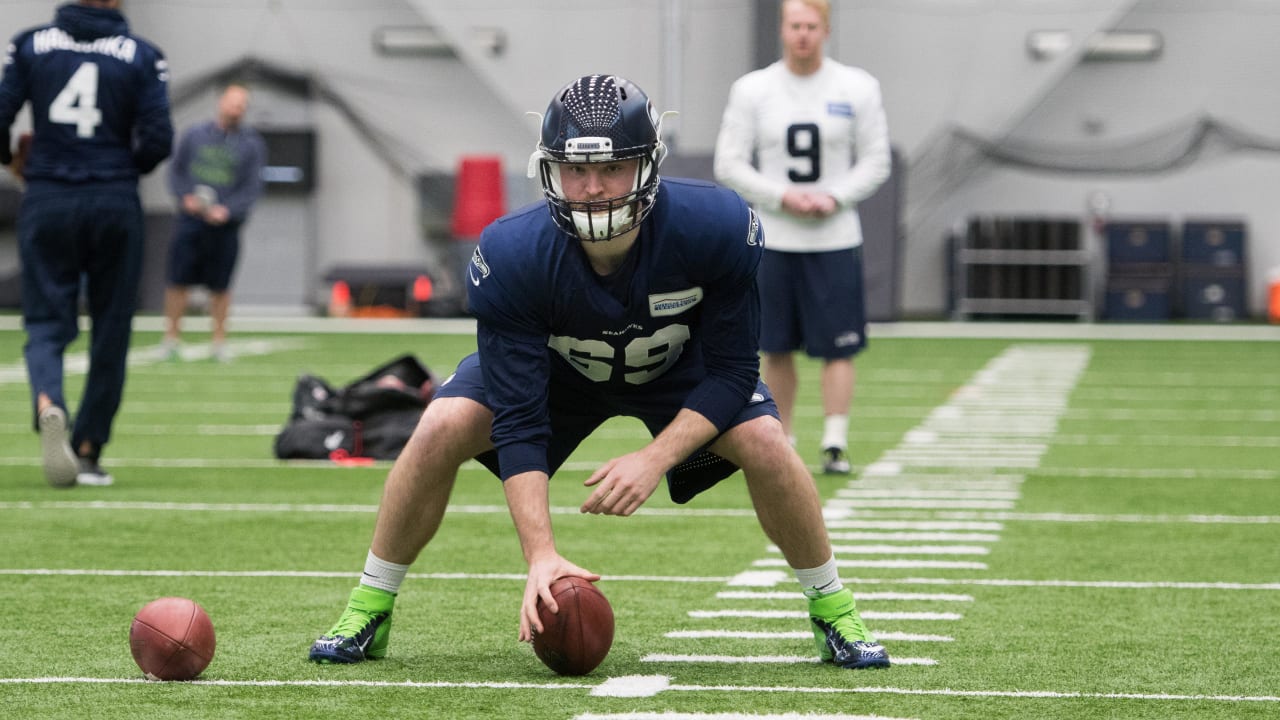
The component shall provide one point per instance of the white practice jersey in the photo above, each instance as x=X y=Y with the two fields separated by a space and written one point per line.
x=825 y=132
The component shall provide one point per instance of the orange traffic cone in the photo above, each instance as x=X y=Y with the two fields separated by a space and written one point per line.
x=422 y=289
x=1273 y=297
x=340 y=299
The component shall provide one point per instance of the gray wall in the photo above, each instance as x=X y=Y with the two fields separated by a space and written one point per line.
x=943 y=64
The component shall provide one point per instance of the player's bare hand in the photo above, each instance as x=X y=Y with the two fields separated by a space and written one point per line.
x=807 y=204
x=543 y=572
x=823 y=205
x=621 y=486
x=217 y=215
x=18 y=160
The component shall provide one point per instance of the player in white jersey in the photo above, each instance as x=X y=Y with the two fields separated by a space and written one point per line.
x=804 y=140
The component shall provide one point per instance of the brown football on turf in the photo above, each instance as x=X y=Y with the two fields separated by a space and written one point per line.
x=575 y=640
x=172 y=639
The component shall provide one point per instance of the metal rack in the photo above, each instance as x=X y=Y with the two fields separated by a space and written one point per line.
x=1022 y=266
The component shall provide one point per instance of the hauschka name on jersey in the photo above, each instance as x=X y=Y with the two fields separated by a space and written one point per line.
x=116 y=46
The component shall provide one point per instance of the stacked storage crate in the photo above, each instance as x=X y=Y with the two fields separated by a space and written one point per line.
x=1140 y=272
x=1020 y=266
x=1212 y=273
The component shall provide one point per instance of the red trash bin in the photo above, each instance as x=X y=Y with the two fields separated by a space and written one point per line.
x=480 y=197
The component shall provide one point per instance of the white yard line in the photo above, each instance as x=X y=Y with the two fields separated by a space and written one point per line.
x=905 y=549
x=804 y=615
x=670 y=715
x=143 y=355
x=979 y=520
x=795 y=635
x=697 y=580
x=249 y=322
x=762 y=659
x=862 y=597
x=736 y=690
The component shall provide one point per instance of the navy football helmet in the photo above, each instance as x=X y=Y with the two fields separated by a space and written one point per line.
x=599 y=119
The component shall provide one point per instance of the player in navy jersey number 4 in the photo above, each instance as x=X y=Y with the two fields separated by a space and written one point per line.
x=622 y=294
x=100 y=119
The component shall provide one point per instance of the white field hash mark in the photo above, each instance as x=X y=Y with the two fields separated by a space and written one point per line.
x=1025 y=385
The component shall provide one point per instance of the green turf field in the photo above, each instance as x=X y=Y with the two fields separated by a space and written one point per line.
x=1036 y=528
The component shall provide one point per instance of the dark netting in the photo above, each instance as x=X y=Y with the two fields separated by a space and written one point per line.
x=1167 y=149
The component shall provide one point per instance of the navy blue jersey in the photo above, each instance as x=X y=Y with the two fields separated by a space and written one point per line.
x=99 y=98
x=682 y=309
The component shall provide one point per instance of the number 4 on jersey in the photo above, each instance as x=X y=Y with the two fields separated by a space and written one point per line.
x=77 y=103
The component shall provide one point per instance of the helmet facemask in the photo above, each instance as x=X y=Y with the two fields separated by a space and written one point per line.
x=599 y=119
x=605 y=218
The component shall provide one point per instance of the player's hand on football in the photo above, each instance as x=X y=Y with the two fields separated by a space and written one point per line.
x=621 y=485
x=543 y=572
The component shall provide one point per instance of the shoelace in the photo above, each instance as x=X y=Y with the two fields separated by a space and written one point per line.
x=851 y=627
x=351 y=623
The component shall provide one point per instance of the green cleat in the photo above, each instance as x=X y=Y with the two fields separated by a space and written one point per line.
x=842 y=638
x=363 y=631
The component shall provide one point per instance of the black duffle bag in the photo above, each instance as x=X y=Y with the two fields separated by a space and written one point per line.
x=372 y=417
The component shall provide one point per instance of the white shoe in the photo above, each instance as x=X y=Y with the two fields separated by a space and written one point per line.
x=170 y=350
x=60 y=464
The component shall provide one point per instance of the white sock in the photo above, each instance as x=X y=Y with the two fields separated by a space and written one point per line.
x=822 y=580
x=383 y=575
x=835 y=432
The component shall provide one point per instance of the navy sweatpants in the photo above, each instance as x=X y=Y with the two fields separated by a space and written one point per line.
x=72 y=237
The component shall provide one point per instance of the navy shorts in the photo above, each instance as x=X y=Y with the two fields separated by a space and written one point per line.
x=577 y=412
x=812 y=302
x=203 y=254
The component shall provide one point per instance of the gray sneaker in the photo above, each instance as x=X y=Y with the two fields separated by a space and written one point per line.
x=91 y=473
x=60 y=465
